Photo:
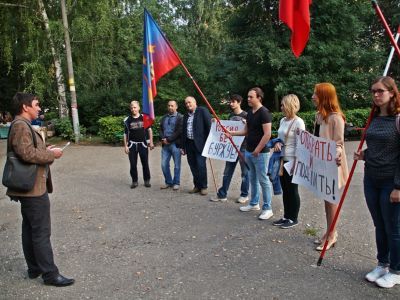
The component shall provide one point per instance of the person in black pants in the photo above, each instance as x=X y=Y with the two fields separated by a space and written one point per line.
x=288 y=126
x=135 y=142
x=29 y=147
x=196 y=127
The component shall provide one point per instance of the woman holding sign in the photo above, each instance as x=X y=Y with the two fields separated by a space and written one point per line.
x=382 y=180
x=329 y=124
x=288 y=125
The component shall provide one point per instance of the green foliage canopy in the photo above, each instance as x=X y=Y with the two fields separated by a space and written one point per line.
x=228 y=46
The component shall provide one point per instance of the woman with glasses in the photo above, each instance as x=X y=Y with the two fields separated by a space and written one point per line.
x=382 y=180
x=329 y=124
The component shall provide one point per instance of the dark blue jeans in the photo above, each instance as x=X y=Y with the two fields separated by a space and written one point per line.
x=197 y=164
x=227 y=177
x=386 y=217
x=167 y=152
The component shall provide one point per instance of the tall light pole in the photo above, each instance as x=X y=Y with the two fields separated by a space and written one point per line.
x=71 y=81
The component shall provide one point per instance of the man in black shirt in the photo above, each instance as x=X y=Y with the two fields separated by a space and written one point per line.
x=258 y=133
x=135 y=142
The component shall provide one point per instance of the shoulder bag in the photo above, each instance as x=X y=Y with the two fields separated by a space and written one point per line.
x=18 y=175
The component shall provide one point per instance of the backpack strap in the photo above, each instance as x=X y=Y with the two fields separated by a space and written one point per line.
x=9 y=131
x=398 y=123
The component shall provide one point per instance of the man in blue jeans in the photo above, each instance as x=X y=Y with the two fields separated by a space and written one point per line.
x=170 y=134
x=237 y=114
x=258 y=133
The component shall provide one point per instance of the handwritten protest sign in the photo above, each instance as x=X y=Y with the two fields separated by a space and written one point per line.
x=218 y=145
x=316 y=167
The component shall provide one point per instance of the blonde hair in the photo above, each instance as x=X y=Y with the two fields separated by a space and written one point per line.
x=292 y=105
x=134 y=102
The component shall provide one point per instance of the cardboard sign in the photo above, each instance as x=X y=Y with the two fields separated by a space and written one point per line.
x=218 y=146
x=316 y=167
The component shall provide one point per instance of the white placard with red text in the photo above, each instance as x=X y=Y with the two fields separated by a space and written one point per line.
x=218 y=145
x=316 y=167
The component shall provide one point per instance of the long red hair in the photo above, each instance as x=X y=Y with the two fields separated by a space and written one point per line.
x=327 y=100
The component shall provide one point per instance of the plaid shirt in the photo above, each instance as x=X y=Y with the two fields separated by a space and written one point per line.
x=189 y=130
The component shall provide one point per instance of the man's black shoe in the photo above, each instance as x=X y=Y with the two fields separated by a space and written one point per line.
x=59 y=281
x=33 y=275
x=134 y=185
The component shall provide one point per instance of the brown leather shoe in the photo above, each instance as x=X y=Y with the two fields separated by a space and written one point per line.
x=203 y=192
x=194 y=190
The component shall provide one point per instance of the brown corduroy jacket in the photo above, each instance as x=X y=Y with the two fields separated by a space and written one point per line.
x=21 y=142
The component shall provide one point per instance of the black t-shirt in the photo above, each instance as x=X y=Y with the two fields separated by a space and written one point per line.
x=135 y=129
x=255 y=130
x=239 y=117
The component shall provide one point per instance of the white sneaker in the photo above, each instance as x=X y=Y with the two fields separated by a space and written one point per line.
x=266 y=214
x=242 y=199
x=216 y=199
x=250 y=207
x=376 y=273
x=389 y=280
x=175 y=187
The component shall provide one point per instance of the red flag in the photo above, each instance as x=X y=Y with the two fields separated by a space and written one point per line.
x=296 y=15
x=158 y=59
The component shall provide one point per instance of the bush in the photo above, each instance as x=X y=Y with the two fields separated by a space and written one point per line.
x=111 y=128
x=358 y=117
x=63 y=128
x=51 y=115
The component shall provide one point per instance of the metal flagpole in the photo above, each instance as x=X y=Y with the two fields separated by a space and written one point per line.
x=395 y=47
x=385 y=24
x=391 y=53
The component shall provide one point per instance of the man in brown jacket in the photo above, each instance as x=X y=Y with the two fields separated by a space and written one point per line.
x=35 y=204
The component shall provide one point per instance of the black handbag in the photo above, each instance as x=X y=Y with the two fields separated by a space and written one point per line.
x=18 y=175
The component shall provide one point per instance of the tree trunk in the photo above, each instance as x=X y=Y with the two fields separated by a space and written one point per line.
x=71 y=81
x=62 y=101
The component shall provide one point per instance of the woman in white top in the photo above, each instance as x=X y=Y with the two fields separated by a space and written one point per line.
x=288 y=126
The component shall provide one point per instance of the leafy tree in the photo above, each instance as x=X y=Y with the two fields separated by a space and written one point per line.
x=227 y=45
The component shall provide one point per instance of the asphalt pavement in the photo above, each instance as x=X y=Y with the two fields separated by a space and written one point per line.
x=148 y=243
